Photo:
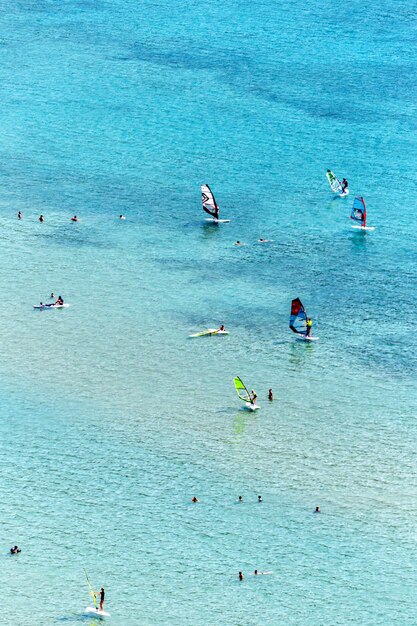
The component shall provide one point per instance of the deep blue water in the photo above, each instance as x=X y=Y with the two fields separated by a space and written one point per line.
x=111 y=419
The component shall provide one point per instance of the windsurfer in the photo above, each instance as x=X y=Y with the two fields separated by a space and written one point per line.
x=309 y=326
x=101 y=593
x=345 y=185
x=253 y=396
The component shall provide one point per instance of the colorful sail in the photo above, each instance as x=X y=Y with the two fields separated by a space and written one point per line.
x=334 y=182
x=242 y=391
x=209 y=203
x=298 y=317
x=93 y=595
x=359 y=211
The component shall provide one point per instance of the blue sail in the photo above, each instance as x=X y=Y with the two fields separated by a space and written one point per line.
x=358 y=213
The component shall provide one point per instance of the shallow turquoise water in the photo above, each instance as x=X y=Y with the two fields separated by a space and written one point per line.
x=111 y=419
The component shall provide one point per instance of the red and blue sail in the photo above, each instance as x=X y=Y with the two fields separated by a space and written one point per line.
x=358 y=213
x=298 y=317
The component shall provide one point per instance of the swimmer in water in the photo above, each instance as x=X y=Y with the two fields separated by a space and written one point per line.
x=15 y=550
x=195 y=499
x=41 y=218
x=19 y=215
x=240 y=499
x=74 y=219
x=270 y=395
x=238 y=243
x=122 y=217
x=241 y=577
x=259 y=498
x=52 y=296
x=317 y=510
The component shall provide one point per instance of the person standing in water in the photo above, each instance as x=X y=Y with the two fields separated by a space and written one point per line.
x=270 y=395
x=309 y=326
x=241 y=577
x=19 y=215
x=41 y=218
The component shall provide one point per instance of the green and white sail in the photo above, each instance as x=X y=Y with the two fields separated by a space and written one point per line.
x=92 y=594
x=334 y=182
x=242 y=391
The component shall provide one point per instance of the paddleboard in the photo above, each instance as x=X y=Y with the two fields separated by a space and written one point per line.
x=51 y=306
x=362 y=227
x=209 y=332
x=214 y=221
x=92 y=611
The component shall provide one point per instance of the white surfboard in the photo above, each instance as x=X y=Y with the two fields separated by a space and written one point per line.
x=214 y=221
x=251 y=407
x=344 y=193
x=210 y=332
x=305 y=338
x=46 y=307
x=362 y=227
x=93 y=612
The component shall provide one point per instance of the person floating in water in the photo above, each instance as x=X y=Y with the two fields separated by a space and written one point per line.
x=52 y=296
x=74 y=219
x=15 y=550
x=241 y=576
x=41 y=218
x=195 y=499
x=240 y=499
x=19 y=215
x=309 y=326
x=317 y=510
x=270 y=395
x=259 y=498
x=122 y=217
x=345 y=185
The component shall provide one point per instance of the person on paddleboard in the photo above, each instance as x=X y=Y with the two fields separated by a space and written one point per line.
x=345 y=185
x=309 y=326
x=59 y=301
x=222 y=327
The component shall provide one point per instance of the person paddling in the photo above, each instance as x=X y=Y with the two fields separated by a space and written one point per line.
x=59 y=301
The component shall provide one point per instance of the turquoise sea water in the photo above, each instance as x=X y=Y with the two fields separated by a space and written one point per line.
x=111 y=419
